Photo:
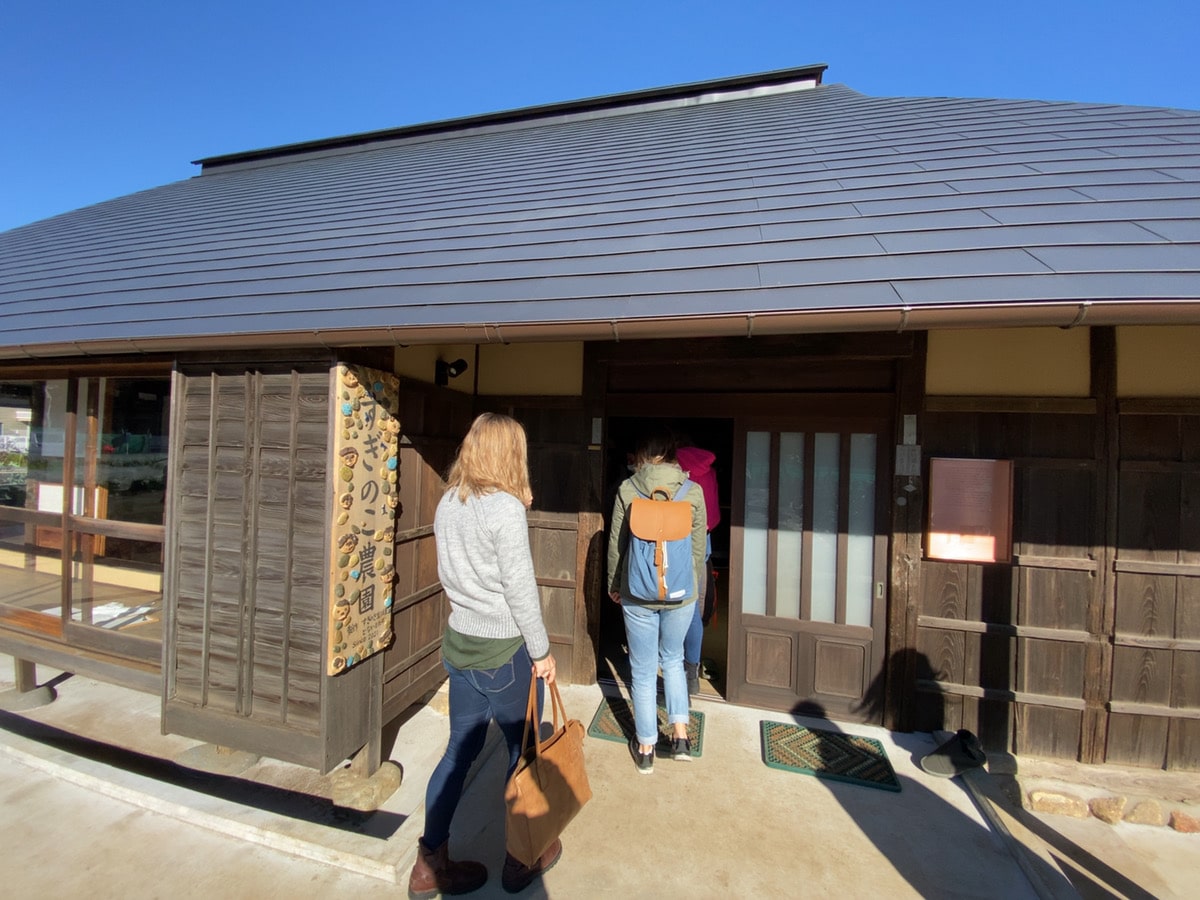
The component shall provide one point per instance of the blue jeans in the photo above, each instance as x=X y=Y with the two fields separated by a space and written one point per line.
x=655 y=638
x=694 y=640
x=476 y=697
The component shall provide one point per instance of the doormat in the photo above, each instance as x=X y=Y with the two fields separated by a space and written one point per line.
x=827 y=754
x=613 y=721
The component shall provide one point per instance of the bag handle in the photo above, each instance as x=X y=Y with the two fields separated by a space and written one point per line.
x=558 y=716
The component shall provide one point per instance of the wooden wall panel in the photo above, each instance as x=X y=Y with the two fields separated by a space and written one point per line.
x=247 y=610
x=1047 y=732
x=1156 y=660
x=1008 y=644
x=1183 y=745
x=432 y=421
x=1049 y=667
x=1137 y=740
x=1055 y=598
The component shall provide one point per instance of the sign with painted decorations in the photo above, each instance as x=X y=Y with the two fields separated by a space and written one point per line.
x=365 y=484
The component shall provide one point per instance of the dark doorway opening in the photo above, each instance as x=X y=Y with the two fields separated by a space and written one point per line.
x=715 y=435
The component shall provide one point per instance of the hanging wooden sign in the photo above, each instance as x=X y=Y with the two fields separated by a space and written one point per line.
x=365 y=469
x=970 y=510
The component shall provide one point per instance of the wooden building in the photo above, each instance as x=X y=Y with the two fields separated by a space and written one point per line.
x=943 y=349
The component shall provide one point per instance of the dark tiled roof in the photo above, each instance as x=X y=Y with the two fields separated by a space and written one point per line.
x=808 y=200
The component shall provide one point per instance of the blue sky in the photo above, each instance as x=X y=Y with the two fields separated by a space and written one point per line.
x=101 y=99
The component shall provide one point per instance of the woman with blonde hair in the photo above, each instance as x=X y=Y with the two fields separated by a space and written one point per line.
x=494 y=643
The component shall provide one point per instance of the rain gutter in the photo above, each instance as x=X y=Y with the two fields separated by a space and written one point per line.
x=749 y=325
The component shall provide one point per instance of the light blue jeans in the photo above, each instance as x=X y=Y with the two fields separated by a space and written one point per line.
x=655 y=638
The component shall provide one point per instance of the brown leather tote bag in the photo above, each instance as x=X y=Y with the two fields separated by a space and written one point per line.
x=550 y=784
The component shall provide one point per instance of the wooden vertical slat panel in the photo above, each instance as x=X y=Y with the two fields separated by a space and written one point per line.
x=1047 y=732
x=250 y=558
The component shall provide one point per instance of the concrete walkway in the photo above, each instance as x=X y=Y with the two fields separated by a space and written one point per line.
x=724 y=825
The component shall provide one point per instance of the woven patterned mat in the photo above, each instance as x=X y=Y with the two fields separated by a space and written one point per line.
x=614 y=722
x=828 y=754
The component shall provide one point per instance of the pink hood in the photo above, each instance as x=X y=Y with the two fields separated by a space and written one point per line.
x=698 y=464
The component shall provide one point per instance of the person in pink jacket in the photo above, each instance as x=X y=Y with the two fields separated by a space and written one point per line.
x=697 y=463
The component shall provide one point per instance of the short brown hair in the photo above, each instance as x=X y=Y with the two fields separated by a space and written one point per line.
x=657 y=446
x=492 y=457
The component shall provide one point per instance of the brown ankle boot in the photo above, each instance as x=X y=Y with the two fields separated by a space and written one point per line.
x=518 y=876
x=436 y=873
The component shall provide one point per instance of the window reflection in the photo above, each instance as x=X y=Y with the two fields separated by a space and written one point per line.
x=126 y=425
x=118 y=465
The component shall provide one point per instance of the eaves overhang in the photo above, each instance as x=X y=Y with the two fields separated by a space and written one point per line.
x=1064 y=315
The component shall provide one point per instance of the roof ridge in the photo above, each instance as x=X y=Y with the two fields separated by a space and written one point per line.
x=713 y=89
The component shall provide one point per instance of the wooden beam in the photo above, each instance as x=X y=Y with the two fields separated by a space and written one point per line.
x=1084 y=406
x=1004 y=629
x=840 y=346
x=1004 y=696
x=1098 y=661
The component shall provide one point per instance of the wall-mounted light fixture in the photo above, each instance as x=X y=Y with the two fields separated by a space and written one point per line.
x=443 y=371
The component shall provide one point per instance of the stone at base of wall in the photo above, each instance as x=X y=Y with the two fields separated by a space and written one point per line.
x=1181 y=821
x=1110 y=809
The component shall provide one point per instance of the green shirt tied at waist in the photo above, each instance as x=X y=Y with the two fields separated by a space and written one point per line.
x=464 y=651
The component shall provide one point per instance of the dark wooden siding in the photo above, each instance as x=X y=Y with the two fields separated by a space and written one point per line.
x=1155 y=706
x=1003 y=649
x=564 y=535
x=432 y=421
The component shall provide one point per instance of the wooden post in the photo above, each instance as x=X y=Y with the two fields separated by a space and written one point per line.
x=908 y=517
x=366 y=761
x=26 y=675
x=1098 y=661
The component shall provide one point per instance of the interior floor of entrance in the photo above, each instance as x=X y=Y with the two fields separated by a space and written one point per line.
x=715 y=435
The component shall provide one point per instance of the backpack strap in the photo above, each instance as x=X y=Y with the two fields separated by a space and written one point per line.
x=679 y=494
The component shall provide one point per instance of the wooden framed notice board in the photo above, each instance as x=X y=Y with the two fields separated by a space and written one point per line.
x=970 y=510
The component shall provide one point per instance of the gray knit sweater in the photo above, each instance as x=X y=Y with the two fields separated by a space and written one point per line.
x=486 y=568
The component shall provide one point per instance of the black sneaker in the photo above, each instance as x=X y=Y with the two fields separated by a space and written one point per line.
x=643 y=761
x=681 y=749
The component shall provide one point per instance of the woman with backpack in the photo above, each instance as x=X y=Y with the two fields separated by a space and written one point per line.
x=656 y=622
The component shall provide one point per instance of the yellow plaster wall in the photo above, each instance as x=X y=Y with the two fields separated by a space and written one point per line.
x=503 y=369
x=1158 y=361
x=555 y=369
x=418 y=361
x=1009 y=362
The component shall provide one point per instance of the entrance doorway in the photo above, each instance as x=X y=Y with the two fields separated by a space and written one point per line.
x=715 y=435
x=808 y=582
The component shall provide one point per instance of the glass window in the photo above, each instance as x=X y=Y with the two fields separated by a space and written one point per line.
x=790 y=542
x=826 y=494
x=756 y=523
x=110 y=435
x=860 y=543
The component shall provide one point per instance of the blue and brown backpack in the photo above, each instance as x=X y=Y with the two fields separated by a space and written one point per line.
x=660 y=547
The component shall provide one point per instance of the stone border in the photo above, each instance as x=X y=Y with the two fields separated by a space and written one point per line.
x=1109 y=808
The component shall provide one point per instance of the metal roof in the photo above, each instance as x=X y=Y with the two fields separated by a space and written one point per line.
x=741 y=206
